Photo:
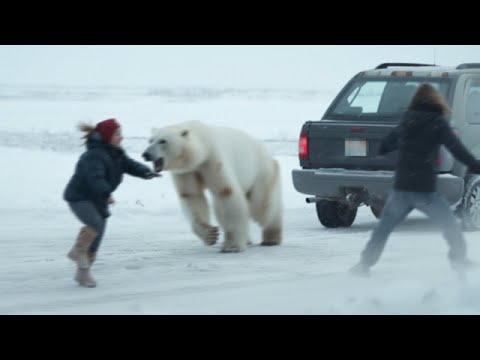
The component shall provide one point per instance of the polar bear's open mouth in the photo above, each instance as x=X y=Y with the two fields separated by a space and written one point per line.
x=158 y=165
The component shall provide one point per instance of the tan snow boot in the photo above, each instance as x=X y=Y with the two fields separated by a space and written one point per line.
x=79 y=250
x=91 y=257
x=84 y=278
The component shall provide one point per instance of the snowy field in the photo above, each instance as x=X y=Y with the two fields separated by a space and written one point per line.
x=151 y=263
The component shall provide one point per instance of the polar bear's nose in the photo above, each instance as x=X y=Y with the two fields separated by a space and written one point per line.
x=147 y=156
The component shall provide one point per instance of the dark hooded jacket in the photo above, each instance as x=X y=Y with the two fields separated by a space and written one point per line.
x=418 y=138
x=98 y=173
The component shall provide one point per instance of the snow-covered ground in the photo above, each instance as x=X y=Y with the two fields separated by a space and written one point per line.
x=151 y=263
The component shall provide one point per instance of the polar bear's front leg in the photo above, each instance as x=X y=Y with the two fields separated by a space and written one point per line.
x=209 y=234
x=232 y=213
x=190 y=189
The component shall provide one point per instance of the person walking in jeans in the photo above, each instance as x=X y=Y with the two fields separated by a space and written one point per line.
x=418 y=137
x=98 y=172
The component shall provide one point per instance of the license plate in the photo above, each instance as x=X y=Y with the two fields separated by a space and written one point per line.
x=355 y=147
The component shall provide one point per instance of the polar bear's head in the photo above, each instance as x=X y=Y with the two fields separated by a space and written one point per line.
x=176 y=148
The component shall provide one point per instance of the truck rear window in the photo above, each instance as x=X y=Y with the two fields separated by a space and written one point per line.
x=380 y=98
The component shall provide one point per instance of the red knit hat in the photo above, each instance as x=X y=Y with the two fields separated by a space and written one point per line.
x=106 y=128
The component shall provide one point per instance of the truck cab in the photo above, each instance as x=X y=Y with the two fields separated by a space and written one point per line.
x=340 y=165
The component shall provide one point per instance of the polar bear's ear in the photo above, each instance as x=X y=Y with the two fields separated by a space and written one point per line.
x=184 y=133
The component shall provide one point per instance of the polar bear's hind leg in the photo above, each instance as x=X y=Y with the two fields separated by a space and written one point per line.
x=265 y=201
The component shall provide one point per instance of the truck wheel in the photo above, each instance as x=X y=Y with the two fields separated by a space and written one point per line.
x=333 y=214
x=470 y=208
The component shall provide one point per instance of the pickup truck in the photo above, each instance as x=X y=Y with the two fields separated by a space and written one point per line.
x=340 y=166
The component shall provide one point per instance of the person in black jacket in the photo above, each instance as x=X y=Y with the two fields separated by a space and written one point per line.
x=418 y=138
x=98 y=172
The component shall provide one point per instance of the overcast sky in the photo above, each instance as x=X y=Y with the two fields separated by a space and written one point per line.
x=237 y=66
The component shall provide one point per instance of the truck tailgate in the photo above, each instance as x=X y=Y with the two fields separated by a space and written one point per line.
x=347 y=145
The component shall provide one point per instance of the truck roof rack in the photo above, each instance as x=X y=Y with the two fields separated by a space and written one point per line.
x=386 y=65
x=468 y=66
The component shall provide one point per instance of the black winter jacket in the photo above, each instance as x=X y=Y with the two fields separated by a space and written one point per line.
x=418 y=138
x=98 y=173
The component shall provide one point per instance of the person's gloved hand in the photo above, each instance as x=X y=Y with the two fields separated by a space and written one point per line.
x=150 y=175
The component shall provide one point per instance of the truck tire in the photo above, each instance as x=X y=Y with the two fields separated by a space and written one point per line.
x=470 y=207
x=333 y=214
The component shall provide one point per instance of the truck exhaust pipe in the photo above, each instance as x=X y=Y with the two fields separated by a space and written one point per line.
x=311 y=200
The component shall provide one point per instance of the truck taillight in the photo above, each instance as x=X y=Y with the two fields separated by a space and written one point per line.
x=303 y=146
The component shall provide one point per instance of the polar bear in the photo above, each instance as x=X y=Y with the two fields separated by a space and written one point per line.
x=242 y=177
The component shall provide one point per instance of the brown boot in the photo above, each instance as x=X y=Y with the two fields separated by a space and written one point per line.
x=84 y=278
x=91 y=257
x=79 y=250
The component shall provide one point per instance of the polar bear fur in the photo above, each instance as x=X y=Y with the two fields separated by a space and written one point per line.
x=241 y=176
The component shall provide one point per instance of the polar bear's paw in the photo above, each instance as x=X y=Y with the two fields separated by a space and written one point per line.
x=271 y=237
x=209 y=234
x=232 y=244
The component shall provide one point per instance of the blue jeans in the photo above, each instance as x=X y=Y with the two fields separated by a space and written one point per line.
x=399 y=204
